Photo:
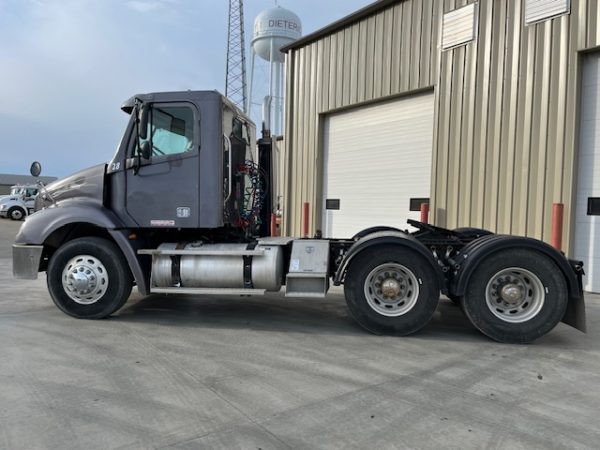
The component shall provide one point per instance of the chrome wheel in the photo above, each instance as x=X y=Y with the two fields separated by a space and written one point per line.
x=515 y=295
x=85 y=279
x=391 y=289
x=16 y=214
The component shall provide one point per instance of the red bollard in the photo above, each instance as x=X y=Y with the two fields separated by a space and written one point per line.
x=558 y=210
x=273 y=224
x=425 y=212
x=305 y=213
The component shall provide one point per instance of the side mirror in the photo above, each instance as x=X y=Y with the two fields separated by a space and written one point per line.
x=145 y=150
x=143 y=121
x=35 y=169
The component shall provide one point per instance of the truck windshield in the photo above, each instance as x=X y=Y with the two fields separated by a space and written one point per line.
x=16 y=190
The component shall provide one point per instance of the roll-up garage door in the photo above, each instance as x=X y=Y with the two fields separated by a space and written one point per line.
x=377 y=159
x=587 y=221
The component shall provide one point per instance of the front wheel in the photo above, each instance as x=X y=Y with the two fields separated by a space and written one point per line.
x=88 y=278
x=16 y=213
x=391 y=290
x=516 y=296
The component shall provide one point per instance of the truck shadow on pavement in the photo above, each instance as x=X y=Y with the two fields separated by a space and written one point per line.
x=271 y=313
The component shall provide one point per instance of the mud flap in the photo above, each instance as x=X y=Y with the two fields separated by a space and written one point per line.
x=575 y=313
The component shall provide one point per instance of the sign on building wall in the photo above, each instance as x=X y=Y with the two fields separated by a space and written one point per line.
x=537 y=10
x=459 y=26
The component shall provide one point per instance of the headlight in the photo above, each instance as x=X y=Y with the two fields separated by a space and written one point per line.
x=2 y=207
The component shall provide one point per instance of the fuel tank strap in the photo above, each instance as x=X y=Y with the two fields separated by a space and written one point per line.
x=175 y=264
x=248 y=266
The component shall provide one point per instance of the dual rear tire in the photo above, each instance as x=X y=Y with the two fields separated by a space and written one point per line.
x=513 y=296
x=391 y=290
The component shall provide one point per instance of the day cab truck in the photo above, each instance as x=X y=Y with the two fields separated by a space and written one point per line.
x=184 y=207
x=19 y=203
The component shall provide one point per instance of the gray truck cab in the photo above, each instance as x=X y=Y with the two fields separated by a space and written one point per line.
x=173 y=170
x=188 y=139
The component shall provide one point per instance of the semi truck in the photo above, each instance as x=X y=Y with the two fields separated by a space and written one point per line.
x=184 y=205
x=19 y=203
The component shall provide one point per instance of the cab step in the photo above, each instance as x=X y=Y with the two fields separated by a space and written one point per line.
x=206 y=291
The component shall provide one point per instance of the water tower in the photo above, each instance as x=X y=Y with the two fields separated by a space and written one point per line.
x=273 y=29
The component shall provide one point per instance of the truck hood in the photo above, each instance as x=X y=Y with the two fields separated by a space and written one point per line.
x=8 y=198
x=86 y=185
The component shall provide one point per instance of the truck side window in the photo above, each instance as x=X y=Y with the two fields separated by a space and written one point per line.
x=171 y=130
x=237 y=129
x=31 y=192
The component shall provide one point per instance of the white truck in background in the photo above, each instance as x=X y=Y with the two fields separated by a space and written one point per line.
x=20 y=202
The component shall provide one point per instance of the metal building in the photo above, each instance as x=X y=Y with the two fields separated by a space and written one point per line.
x=9 y=180
x=474 y=105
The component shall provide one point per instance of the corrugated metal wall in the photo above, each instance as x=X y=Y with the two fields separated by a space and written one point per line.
x=506 y=107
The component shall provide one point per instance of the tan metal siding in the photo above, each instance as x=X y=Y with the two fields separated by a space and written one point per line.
x=505 y=137
x=543 y=9
x=459 y=26
x=370 y=59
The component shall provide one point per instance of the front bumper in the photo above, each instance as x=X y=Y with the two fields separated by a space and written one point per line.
x=26 y=261
x=4 y=214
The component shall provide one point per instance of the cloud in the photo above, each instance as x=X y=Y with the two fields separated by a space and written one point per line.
x=145 y=6
x=67 y=65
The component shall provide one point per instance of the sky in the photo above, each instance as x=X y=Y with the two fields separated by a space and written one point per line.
x=66 y=66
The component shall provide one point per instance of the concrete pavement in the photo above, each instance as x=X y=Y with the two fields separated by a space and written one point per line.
x=273 y=373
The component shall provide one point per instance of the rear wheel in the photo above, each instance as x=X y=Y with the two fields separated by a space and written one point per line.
x=391 y=290
x=516 y=296
x=89 y=278
x=470 y=231
x=16 y=213
x=454 y=299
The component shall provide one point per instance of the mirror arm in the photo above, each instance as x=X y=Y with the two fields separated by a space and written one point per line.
x=138 y=158
x=138 y=164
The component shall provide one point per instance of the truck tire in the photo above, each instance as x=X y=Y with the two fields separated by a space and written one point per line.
x=16 y=213
x=472 y=231
x=88 y=278
x=471 y=234
x=515 y=296
x=454 y=299
x=391 y=290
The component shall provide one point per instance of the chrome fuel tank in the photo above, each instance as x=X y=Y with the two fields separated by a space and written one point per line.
x=198 y=265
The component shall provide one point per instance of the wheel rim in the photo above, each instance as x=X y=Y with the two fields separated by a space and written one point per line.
x=515 y=295
x=17 y=214
x=391 y=289
x=85 y=279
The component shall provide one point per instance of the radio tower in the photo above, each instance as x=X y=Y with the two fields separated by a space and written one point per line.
x=235 y=83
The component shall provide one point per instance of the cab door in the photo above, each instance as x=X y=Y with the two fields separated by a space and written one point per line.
x=29 y=199
x=163 y=191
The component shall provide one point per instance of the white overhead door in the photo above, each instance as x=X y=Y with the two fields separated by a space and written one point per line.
x=377 y=158
x=587 y=226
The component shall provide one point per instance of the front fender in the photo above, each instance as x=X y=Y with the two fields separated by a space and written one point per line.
x=39 y=226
